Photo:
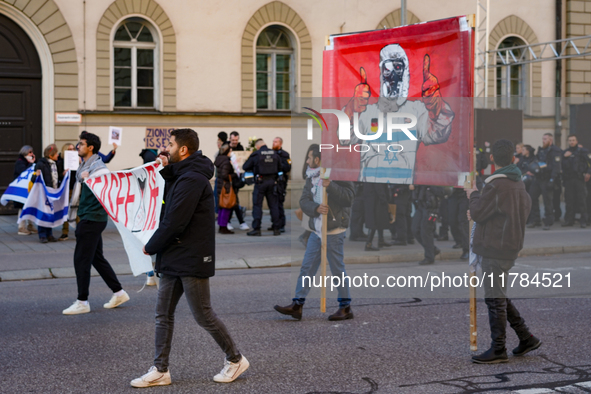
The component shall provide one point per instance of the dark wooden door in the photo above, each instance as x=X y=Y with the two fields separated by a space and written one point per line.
x=20 y=97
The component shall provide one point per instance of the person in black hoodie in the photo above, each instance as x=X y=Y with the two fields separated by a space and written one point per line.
x=500 y=213
x=185 y=247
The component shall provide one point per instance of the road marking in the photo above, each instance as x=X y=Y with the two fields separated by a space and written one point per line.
x=573 y=388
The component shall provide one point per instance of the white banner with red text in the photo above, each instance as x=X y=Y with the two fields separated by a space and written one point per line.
x=133 y=200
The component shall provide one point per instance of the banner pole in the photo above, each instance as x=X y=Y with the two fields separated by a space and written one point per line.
x=473 y=321
x=323 y=250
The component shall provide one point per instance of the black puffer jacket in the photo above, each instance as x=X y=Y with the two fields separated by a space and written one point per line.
x=45 y=166
x=185 y=239
x=340 y=199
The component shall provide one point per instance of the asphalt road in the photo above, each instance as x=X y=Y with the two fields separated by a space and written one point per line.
x=400 y=345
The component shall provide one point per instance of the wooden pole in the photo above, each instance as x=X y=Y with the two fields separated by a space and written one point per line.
x=323 y=250
x=473 y=321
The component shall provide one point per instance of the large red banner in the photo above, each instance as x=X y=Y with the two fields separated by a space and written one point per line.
x=419 y=75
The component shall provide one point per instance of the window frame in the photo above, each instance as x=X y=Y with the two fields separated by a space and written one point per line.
x=503 y=82
x=155 y=46
x=292 y=66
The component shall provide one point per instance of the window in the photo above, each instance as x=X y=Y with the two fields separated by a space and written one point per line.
x=511 y=86
x=274 y=69
x=134 y=60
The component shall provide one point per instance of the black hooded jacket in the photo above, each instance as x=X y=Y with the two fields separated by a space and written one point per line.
x=185 y=239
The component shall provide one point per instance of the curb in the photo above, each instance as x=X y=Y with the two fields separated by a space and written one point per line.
x=283 y=261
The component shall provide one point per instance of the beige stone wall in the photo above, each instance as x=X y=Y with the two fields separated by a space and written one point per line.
x=578 y=71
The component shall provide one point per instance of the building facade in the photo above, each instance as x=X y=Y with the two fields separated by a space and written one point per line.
x=232 y=66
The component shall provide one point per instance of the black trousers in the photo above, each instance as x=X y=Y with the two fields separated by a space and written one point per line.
x=265 y=189
x=444 y=218
x=458 y=220
x=575 y=196
x=357 y=214
x=588 y=185
x=546 y=190
x=500 y=308
x=401 y=225
x=281 y=192
x=556 y=199
x=89 y=253
x=424 y=230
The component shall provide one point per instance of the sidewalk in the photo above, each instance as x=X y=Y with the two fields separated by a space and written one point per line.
x=23 y=257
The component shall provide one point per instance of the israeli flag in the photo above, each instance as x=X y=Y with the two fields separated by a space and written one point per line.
x=18 y=190
x=46 y=206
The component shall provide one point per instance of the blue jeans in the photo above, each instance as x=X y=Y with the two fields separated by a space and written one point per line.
x=311 y=262
x=197 y=294
x=44 y=232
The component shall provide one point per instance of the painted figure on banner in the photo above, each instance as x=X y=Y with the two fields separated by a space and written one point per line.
x=433 y=126
x=407 y=95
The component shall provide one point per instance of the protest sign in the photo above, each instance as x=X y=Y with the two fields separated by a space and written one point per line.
x=115 y=134
x=71 y=160
x=157 y=138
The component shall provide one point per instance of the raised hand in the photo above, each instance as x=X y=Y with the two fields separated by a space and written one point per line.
x=430 y=90
x=361 y=95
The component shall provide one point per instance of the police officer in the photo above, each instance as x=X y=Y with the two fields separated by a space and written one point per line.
x=426 y=200
x=458 y=221
x=549 y=159
x=281 y=180
x=575 y=165
x=402 y=198
x=266 y=166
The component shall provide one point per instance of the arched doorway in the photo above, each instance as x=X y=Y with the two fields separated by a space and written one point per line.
x=20 y=97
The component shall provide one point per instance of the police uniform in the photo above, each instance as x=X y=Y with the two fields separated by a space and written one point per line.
x=458 y=219
x=426 y=200
x=266 y=165
x=549 y=160
x=282 y=184
x=574 y=169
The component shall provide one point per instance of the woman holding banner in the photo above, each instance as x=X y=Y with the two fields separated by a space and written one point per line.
x=26 y=157
x=47 y=167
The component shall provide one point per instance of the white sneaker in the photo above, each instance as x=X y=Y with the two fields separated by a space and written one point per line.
x=244 y=226
x=230 y=227
x=77 y=308
x=152 y=378
x=151 y=281
x=115 y=301
x=231 y=371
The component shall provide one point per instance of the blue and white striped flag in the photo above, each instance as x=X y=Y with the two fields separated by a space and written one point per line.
x=46 y=206
x=18 y=190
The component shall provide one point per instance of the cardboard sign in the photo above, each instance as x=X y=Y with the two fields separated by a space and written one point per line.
x=157 y=138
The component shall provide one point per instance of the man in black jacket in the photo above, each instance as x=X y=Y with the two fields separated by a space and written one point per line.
x=500 y=213
x=575 y=172
x=185 y=248
x=549 y=159
x=340 y=198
